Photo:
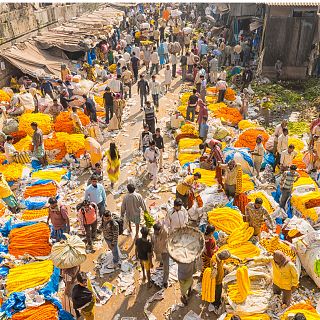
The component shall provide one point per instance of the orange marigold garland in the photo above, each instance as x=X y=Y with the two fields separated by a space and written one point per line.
x=40 y=190
x=64 y=123
x=46 y=311
x=247 y=139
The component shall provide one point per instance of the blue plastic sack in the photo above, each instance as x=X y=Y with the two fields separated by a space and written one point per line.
x=277 y=194
x=4 y=271
x=14 y=304
x=52 y=286
x=268 y=158
x=35 y=203
x=35 y=164
x=40 y=181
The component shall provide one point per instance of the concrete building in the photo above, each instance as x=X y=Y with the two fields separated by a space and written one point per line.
x=288 y=35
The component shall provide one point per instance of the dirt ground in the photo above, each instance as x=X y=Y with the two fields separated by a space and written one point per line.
x=127 y=141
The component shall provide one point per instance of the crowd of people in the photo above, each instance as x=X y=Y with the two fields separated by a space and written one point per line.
x=170 y=47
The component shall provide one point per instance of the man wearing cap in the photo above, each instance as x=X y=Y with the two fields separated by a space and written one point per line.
x=256 y=215
x=58 y=215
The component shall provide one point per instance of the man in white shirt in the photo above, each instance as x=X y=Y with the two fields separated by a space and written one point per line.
x=136 y=50
x=122 y=61
x=178 y=217
x=282 y=144
x=127 y=57
x=155 y=89
x=223 y=74
x=166 y=50
x=9 y=149
x=129 y=38
x=154 y=61
x=277 y=132
x=287 y=157
x=115 y=85
x=152 y=155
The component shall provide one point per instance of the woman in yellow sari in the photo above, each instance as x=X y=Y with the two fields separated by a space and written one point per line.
x=113 y=163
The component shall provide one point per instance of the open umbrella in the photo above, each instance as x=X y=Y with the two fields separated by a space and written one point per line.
x=68 y=253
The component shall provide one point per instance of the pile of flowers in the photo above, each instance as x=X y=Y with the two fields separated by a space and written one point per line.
x=73 y=142
x=299 y=145
x=189 y=128
x=246 y=124
x=269 y=204
x=18 y=135
x=113 y=68
x=43 y=120
x=298 y=128
x=230 y=94
x=12 y=171
x=54 y=174
x=247 y=183
x=185 y=97
x=229 y=115
x=24 y=144
x=56 y=148
x=298 y=161
x=4 y=96
x=307 y=204
x=64 y=123
x=248 y=138
x=99 y=101
x=188 y=157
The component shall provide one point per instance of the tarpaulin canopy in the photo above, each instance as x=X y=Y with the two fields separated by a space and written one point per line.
x=32 y=61
x=71 y=35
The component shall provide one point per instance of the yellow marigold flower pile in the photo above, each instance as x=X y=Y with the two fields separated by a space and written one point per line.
x=12 y=171
x=2 y=157
x=24 y=144
x=34 y=214
x=212 y=90
x=298 y=143
x=247 y=139
x=225 y=219
x=268 y=204
x=189 y=143
x=33 y=240
x=246 y=250
x=239 y=291
x=30 y=275
x=208 y=286
x=246 y=124
x=50 y=174
x=274 y=243
x=247 y=183
x=208 y=177
x=298 y=161
x=216 y=106
x=73 y=142
x=99 y=101
x=188 y=157
x=43 y=120
x=189 y=129
x=306 y=204
x=240 y=235
x=46 y=311
x=185 y=97
x=4 y=96
x=64 y=123
x=183 y=110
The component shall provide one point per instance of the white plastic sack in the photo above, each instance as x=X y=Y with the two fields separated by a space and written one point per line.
x=27 y=101
x=308 y=249
x=10 y=126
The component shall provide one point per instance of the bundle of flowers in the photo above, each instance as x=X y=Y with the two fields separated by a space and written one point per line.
x=246 y=124
x=228 y=115
x=230 y=94
x=47 y=190
x=188 y=157
x=208 y=177
x=216 y=106
x=24 y=144
x=99 y=101
x=2 y=158
x=54 y=174
x=18 y=135
x=113 y=68
x=189 y=129
x=268 y=202
x=298 y=128
x=307 y=204
x=55 y=148
x=298 y=144
x=45 y=311
x=247 y=183
x=43 y=120
x=298 y=161
x=4 y=96
x=212 y=90
x=187 y=143
x=34 y=214
x=12 y=171
x=64 y=123
x=183 y=109
x=185 y=97
x=73 y=142
x=248 y=138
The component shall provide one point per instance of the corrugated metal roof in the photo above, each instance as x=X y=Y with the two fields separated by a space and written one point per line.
x=293 y=4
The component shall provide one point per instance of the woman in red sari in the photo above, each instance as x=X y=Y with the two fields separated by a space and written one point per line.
x=210 y=248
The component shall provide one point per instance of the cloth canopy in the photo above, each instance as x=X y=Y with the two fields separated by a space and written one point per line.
x=32 y=60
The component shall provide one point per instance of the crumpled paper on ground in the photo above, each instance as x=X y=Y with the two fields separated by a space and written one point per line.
x=157 y=275
x=156 y=297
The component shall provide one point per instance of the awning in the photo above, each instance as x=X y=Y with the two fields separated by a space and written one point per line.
x=71 y=35
x=33 y=61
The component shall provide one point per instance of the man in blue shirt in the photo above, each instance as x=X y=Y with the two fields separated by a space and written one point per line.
x=203 y=49
x=204 y=128
x=96 y=193
x=47 y=88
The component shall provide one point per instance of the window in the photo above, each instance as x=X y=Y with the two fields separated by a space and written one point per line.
x=298 y=13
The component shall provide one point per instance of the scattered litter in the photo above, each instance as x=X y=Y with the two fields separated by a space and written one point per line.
x=156 y=297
